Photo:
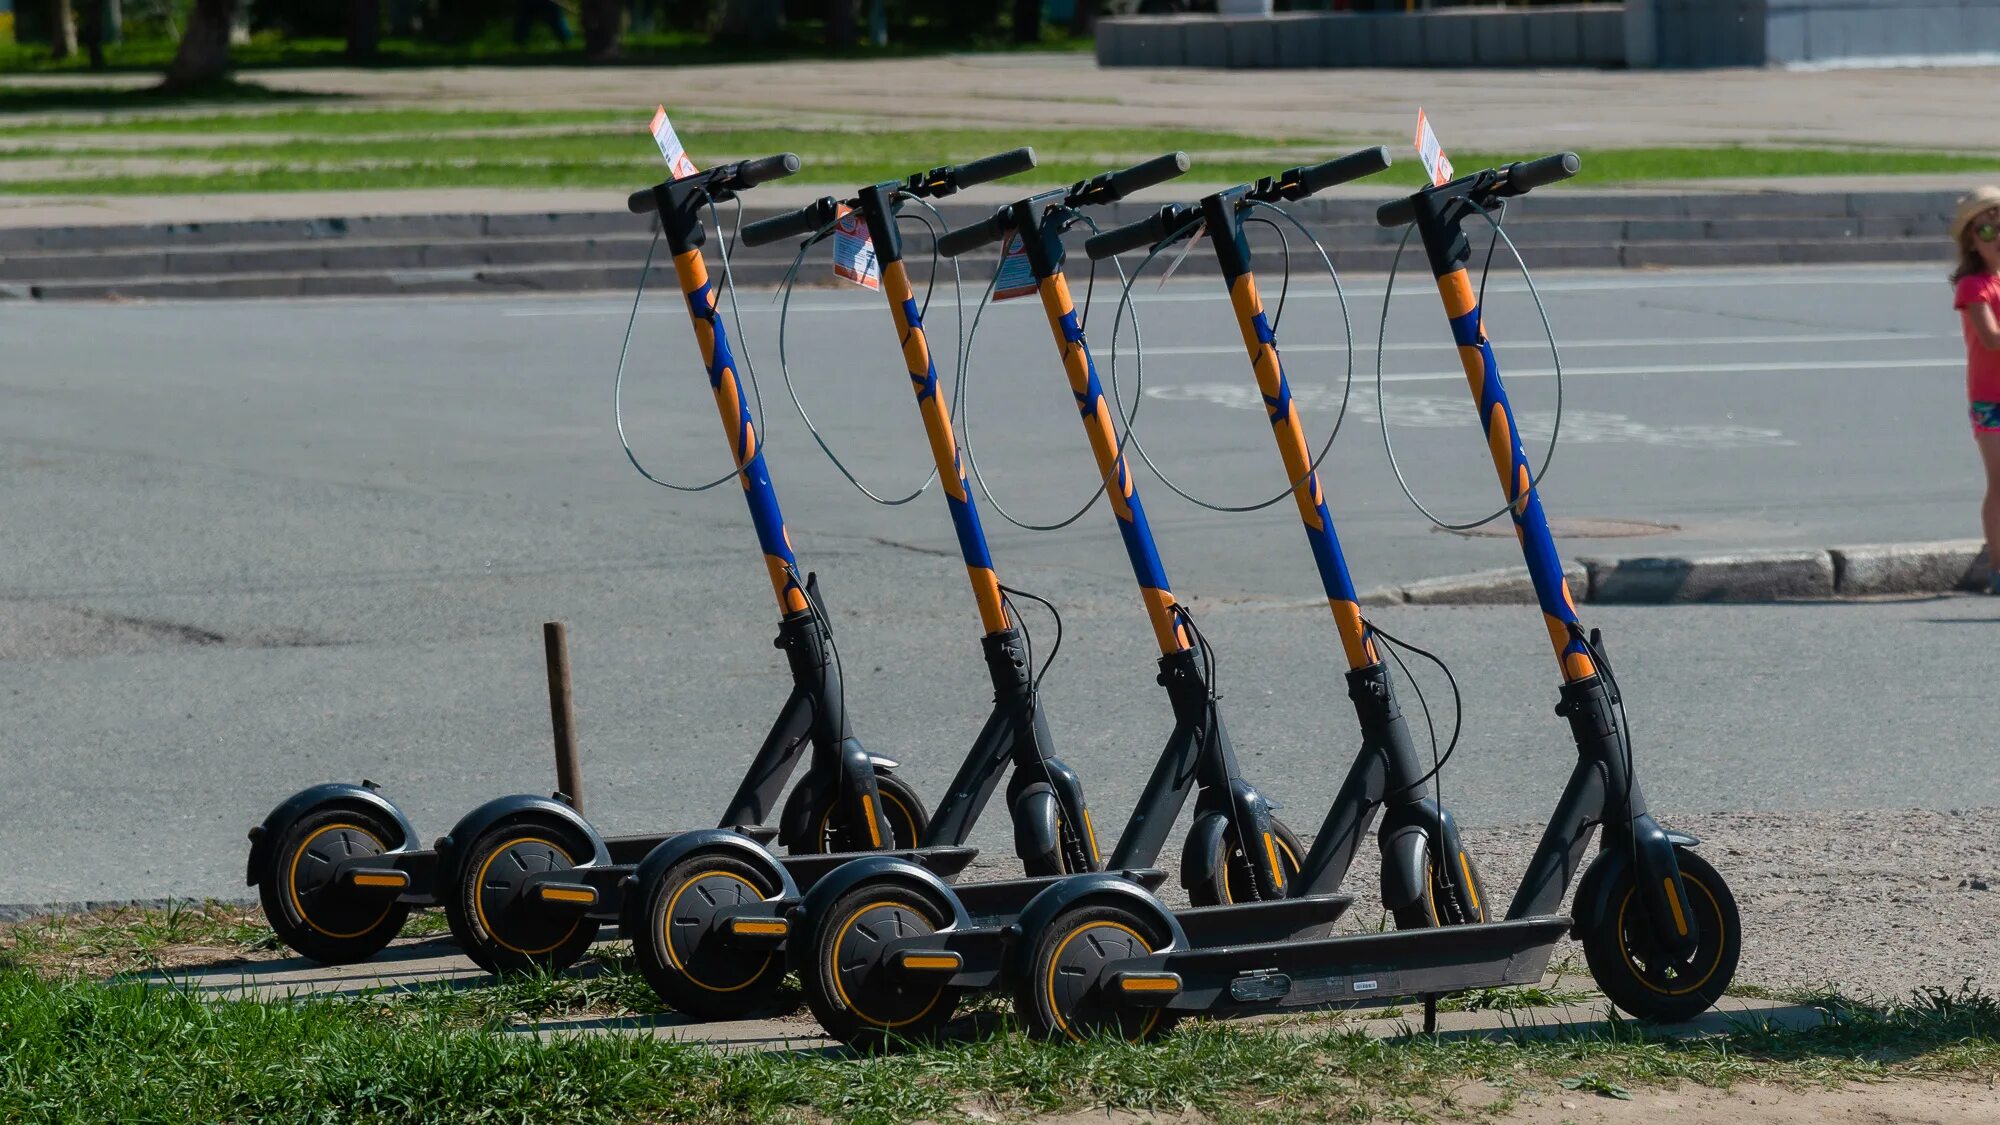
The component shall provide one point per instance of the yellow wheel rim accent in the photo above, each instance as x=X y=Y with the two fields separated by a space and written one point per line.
x=479 y=899
x=889 y=802
x=1633 y=966
x=667 y=943
x=833 y=968
x=1055 y=959
x=292 y=882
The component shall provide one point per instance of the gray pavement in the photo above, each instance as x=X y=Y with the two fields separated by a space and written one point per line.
x=258 y=546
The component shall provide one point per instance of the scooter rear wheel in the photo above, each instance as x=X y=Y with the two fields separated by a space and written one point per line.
x=495 y=921
x=682 y=950
x=1065 y=993
x=855 y=993
x=1238 y=884
x=1628 y=963
x=309 y=909
x=901 y=805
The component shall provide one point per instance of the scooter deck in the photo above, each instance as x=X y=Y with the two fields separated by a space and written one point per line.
x=1243 y=923
x=1004 y=899
x=1356 y=970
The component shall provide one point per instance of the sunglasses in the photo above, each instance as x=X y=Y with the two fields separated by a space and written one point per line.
x=1986 y=232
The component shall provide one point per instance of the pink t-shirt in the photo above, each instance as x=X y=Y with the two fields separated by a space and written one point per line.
x=1982 y=364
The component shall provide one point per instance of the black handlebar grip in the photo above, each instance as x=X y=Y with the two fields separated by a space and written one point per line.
x=1528 y=175
x=791 y=224
x=1010 y=163
x=641 y=202
x=1139 y=177
x=1397 y=212
x=1131 y=236
x=1342 y=169
x=965 y=239
x=750 y=173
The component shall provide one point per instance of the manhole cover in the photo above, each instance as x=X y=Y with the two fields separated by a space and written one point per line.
x=1576 y=529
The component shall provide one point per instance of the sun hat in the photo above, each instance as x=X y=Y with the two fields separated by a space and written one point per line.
x=1981 y=199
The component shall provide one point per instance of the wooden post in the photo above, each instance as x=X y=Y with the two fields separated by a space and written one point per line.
x=562 y=714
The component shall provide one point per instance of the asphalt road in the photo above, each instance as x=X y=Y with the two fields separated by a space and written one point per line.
x=260 y=545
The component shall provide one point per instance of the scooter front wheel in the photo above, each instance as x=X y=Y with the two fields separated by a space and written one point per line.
x=1445 y=894
x=1066 y=993
x=901 y=806
x=1237 y=882
x=315 y=913
x=1630 y=963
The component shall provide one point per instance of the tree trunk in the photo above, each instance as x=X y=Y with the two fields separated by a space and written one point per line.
x=1027 y=21
x=62 y=37
x=1083 y=17
x=603 y=26
x=749 y=21
x=364 y=30
x=204 y=52
x=90 y=31
x=840 y=28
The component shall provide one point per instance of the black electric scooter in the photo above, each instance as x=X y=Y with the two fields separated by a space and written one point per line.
x=1659 y=926
x=709 y=947
x=525 y=880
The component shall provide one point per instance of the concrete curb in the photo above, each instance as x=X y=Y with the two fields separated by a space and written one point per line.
x=1942 y=567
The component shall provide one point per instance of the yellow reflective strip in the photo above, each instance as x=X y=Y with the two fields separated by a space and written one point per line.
x=1471 y=887
x=381 y=879
x=1150 y=984
x=931 y=961
x=766 y=926
x=1680 y=919
x=868 y=810
x=568 y=894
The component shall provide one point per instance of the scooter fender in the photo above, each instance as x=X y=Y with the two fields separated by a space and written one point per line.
x=819 y=900
x=500 y=810
x=1655 y=848
x=1405 y=858
x=671 y=851
x=1036 y=817
x=1106 y=887
x=334 y=794
x=795 y=823
x=1203 y=845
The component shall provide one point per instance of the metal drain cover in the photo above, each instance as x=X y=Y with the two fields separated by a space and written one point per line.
x=1576 y=529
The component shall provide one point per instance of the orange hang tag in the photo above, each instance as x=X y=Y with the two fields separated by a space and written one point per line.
x=1431 y=152
x=670 y=145
x=854 y=251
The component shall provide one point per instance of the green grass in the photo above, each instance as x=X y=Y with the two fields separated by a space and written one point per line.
x=75 y=1050
x=301 y=149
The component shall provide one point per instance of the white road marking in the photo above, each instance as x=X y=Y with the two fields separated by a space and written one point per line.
x=1585 y=427
x=1568 y=345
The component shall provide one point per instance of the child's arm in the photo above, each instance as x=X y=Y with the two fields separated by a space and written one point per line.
x=1985 y=324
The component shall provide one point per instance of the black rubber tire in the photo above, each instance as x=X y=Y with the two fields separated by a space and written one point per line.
x=905 y=810
x=532 y=937
x=315 y=918
x=837 y=969
x=1439 y=906
x=1072 y=852
x=1236 y=884
x=1646 y=984
x=693 y=969
x=1059 y=999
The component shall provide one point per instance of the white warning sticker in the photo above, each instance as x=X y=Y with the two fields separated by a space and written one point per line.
x=670 y=145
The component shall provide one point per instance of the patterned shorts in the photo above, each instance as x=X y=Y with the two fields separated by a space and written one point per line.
x=1986 y=417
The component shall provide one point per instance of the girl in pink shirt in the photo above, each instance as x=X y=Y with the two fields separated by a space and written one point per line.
x=1976 y=231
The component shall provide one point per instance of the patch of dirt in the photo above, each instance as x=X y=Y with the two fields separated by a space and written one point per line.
x=1917 y=1102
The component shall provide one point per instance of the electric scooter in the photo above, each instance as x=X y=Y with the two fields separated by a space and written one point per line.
x=525 y=881
x=864 y=975
x=711 y=952
x=1659 y=927
x=1427 y=877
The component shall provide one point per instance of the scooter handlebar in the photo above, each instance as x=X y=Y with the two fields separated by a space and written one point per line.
x=740 y=176
x=791 y=224
x=1342 y=169
x=972 y=236
x=1133 y=236
x=641 y=202
x=998 y=166
x=1141 y=176
x=1397 y=212
x=1528 y=175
